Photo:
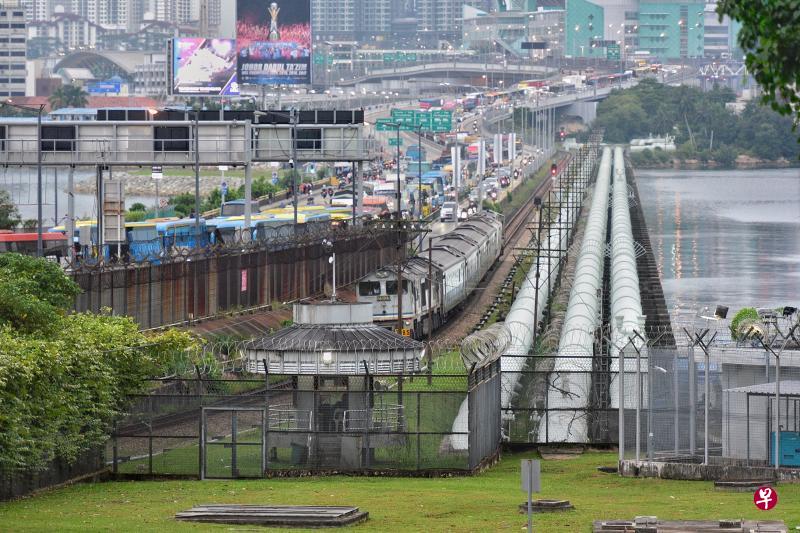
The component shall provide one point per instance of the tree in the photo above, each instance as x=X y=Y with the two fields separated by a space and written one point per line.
x=725 y=156
x=64 y=377
x=9 y=214
x=68 y=96
x=183 y=203
x=138 y=206
x=770 y=36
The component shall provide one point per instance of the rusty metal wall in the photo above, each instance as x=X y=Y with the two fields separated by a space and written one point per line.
x=206 y=284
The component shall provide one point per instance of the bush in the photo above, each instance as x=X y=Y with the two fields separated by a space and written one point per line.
x=138 y=206
x=64 y=378
x=745 y=313
x=135 y=216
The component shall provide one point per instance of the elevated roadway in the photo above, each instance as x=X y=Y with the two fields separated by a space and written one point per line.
x=510 y=72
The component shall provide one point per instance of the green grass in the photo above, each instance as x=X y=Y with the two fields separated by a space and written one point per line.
x=485 y=502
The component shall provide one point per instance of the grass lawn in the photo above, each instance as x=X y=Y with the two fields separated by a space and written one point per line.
x=485 y=502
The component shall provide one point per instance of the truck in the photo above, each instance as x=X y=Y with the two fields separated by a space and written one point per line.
x=415 y=153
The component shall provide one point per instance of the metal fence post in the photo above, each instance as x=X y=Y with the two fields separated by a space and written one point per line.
x=265 y=433
x=115 y=451
x=676 y=402
x=234 y=431
x=692 y=402
x=150 y=448
x=202 y=454
x=621 y=404
x=419 y=415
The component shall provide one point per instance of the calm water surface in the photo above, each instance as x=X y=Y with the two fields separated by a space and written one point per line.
x=725 y=237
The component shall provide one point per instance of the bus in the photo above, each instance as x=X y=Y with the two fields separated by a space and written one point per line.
x=429 y=103
x=54 y=244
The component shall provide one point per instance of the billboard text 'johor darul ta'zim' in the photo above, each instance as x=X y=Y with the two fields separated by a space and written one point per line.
x=274 y=41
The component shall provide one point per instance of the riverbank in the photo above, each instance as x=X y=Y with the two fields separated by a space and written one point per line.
x=742 y=162
x=144 y=185
x=138 y=181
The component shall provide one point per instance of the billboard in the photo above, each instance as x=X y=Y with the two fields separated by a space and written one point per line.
x=104 y=87
x=204 y=67
x=274 y=42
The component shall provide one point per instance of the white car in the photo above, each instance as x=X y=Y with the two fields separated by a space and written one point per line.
x=448 y=212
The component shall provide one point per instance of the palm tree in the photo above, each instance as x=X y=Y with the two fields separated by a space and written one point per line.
x=68 y=96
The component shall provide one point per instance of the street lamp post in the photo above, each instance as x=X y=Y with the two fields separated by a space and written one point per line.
x=197 y=177
x=39 y=246
x=398 y=215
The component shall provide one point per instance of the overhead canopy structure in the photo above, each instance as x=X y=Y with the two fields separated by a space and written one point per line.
x=335 y=338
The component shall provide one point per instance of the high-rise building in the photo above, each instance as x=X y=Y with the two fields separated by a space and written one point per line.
x=336 y=20
x=672 y=29
x=719 y=41
x=397 y=21
x=13 y=35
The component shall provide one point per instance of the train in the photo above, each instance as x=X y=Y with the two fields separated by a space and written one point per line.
x=436 y=282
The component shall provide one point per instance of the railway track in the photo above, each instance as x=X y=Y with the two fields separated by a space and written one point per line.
x=462 y=323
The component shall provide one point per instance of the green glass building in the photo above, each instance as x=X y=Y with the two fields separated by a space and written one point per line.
x=584 y=24
x=671 y=30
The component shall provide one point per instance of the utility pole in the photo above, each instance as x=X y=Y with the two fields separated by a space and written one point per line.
x=294 y=116
x=197 y=176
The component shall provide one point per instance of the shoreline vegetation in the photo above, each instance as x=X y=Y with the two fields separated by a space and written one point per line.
x=658 y=159
x=708 y=133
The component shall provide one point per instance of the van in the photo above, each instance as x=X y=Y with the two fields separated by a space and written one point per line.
x=449 y=212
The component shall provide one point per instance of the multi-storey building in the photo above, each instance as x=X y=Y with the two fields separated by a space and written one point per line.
x=661 y=29
x=334 y=21
x=150 y=77
x=720 y=36
x=13 y=35
x=672 y=30
x=68 y=30
x=400 y=22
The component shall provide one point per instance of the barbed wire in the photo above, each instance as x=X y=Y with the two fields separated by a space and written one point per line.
x=232 y=246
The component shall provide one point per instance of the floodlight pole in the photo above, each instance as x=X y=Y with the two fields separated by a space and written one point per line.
x=39 y=244
x=294 y=116
x=197 y=176
x=419 y=169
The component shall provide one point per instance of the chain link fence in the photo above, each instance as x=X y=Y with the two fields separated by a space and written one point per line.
x=718 y=397
x=443 y=419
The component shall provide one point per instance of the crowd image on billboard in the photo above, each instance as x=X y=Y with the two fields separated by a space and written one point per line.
x=274 y=41
x=204 y=67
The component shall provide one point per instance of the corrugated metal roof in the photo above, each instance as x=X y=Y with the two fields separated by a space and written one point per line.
x=306 y=337
x=788 y=388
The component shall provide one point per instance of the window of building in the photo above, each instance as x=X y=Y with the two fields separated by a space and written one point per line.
x=391 y=287
x=369 y=288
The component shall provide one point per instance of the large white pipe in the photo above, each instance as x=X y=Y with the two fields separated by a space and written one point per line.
x=626 y=303
x=527 y=310
x=570 y=382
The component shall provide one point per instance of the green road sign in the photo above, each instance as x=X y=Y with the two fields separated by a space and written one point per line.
x=612 y=52
x=319 y=59
x=394 y=141
x=422 y=119
x=411 y=57
x=385 y=124
x=411 y=120
x=441 y=120
x=400 y=56
x=388 y=58
x=403 y=116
